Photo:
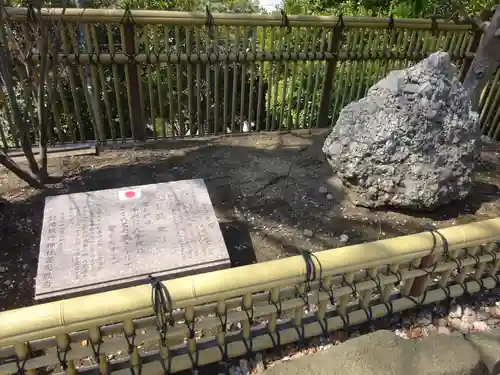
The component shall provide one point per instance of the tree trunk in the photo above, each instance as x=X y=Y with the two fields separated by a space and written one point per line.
x=7 y=73
x=24 y=175
x=485 y=62
x=42 y=110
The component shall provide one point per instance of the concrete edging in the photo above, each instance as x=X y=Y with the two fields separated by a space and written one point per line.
x=384 y=353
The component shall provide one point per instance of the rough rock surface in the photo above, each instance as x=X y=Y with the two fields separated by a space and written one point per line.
x=412 y=142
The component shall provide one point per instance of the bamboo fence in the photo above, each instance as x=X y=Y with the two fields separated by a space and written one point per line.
x=183 y=323
x=117 y=75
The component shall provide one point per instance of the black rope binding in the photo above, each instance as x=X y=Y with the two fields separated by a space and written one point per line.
x=96 y=349
x=390 y=25
x=285 y=22
x=209 y=22
x=22 y=364
x=127 y=16
x=63 y=358
x=162 y=306
x=31 y=13
x=434 y=26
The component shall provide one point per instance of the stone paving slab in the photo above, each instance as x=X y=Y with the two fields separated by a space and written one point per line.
x=384 y=353
x=104 y=239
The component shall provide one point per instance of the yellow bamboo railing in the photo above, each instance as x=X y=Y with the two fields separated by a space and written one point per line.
x=329 y=283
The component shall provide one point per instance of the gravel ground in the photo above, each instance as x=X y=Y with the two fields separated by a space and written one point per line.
x=283 y=197
x=471 y=316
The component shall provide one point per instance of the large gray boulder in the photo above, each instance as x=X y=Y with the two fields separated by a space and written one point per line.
x=412 y=142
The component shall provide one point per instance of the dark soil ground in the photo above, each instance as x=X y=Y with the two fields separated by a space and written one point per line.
x=267 y=190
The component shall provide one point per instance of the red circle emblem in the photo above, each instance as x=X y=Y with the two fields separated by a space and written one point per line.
x=129 y=194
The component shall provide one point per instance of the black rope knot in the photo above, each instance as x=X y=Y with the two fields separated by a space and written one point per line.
x=162 y=306
x=285 y=22
x=127 y=16
x=434 y=26
x=31 y=13
x=209 y=21
x=390 y=26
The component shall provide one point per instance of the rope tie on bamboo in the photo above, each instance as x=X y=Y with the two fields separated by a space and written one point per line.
x=390 y=26
x=167 y=369
x=276 y=342
x=96 y=349
x=62 y=357
x=310 y=275
x=277 y=305
x=434 y=26
x=378 y=285
x=127 y=16
x=162 y=306
x=285 y=22
x=209 y=22
x=22 y=364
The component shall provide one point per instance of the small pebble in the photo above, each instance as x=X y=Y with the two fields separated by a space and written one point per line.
x=456 y=311
x=258 y=363
x=480 y=327
x=465 y=327
x=443 y=331
x=344 y=238
x=323 y=190
x=308 y=233
x=329 y=197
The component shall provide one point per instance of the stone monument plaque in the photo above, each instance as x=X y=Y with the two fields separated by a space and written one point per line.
x=108 y=239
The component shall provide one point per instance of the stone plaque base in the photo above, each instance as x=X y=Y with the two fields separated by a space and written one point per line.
x=109 y=239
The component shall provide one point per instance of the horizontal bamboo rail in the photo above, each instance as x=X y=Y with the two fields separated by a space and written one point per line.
x=223 y=19
x=252 y=293
x=203 y=58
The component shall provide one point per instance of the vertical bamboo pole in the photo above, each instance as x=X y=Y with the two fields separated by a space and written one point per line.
x=270 y=80
x=96 y=340
x=364 y=65
x=132 y=81
x=284 y=87
x=116 y=84
x=179 y=83
x=94 y=91
x=199 y=85
x=227 y=116
x=208 y=87
x=243 y=81
x=324 y=43
x=301 y=79
x=23 y=354
x=289 y=115
x=246 y=324
x=235 y=78
x=135 y=358
x=87 y=94
x=59 y=92
x=63 y=345
x=170 y=96
x=190 y=87
x=277 y=76
x=152 y=108
x=492 y=104
x=334 y=47
x=104 y=89
x=159 y=86
x=251 y=96
x=217 y=106
x=353 y=65
x=345 y=74
x=309 y=88
x=260 y=94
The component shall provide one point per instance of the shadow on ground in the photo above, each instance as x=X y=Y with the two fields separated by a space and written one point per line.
x=268 y=192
